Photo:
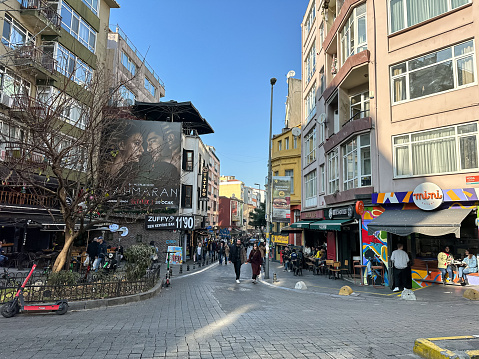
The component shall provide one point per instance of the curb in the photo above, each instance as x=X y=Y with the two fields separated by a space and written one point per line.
x=426 y=348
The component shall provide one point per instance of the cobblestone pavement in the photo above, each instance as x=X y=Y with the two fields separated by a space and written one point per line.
x=208 y=315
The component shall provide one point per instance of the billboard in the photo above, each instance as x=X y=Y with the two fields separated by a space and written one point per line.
x=141 y=161
x=281 y=198
x=176 y=255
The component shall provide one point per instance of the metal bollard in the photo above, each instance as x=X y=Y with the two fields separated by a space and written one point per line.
x=194 y=266
x=274 y=278
x=181 y=269
x=187 y=267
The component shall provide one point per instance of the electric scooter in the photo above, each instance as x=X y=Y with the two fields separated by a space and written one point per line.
x=16 y=305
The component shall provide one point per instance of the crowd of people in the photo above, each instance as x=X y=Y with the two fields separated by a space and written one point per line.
x=293 y=258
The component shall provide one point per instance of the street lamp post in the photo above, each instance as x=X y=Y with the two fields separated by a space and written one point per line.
x=270 y=186
x=258 y=202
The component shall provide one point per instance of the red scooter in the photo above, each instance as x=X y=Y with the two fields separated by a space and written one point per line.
x=16 y=305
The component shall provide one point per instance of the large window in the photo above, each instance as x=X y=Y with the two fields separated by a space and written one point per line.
x=150 y=87
x=310 y=146
x=405 y=13
x=14 y=34
x=72 y=111
x=92 y=5
x=186 y=196
x=280 y=145
x=286 y=143
x=290 y=173
x=333 y=171
x=357 y=162
x=353 y=34
x=188 y=157
x=322 y=179
x=128 y=63
x=310 y=63
x=311 y=103
x=127 y=97
x=310 y=188
x=359 y=105
x=437 y=72
x=13 y=84
x=78 y=28
x=443 y=150
x=311 y=17
x=72 y=67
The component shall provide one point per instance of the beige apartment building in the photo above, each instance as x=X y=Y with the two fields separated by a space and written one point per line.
x=390 y=137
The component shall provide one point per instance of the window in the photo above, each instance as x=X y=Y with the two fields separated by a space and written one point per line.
x=72 y=67
x=279 y=145
x=322 y=128
x=13 y=84
x=290 y=173
x=128 y=63
x=310 y=188
x=310 y=146
x=127 y=98
x=186 y=196
x=276 y=173
x=14 y=34
x=310 y=18
x=92 y=5
x=359 y=105
x=72 y=111
x=406 y=13
x=353 y=34
x=357 y=162
x=78 y=28
x=321 y=35
x=443 y=150
x=311 y=103
x=311 y=63
x=447 y=69
x=333 y=171
x=286 y=143
x=188 y=160
x=322 y=179
x=295 y=142
x=150 y=87
x=323 y=80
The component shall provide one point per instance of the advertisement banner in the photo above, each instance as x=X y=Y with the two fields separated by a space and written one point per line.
x=141 y=160
x=281 y=198
x=176 y=255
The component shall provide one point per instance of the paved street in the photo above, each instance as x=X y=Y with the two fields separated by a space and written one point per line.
x=208 y=315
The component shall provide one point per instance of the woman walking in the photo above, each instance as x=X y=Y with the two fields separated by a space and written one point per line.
x=256 y=261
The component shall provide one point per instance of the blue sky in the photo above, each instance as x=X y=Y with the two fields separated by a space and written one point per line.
x=220 y=55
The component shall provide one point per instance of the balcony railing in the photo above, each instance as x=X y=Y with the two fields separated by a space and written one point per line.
x=44 y=9
x=25 y=103
x=31 y=55
x=15 y=153
x=357 y=116
x=26 y=199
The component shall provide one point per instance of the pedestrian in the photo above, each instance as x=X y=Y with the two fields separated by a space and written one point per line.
x=256 y=261
x=92 y=251
x=199 y=252
x=221 y=252
x=3 y=257
x=469 y=265
x=444 y=264
x=237 y=257
x=101 y=251
x=227 y=252
x=399 y=259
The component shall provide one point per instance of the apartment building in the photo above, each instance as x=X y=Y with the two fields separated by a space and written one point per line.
x=213 y=189
x=233 y=188
x=47 y=47
x=390 y=131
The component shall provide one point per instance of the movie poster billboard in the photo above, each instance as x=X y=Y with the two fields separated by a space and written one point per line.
x=281 y=198
x=142 y=161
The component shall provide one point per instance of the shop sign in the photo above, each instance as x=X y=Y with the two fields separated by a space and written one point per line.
x=204 y=183
x=280 y=239
x=428 y=196
x=319 y=214
x=169 y=222
x=281 y=198
x=341 y=212
x=472 y=179
x=360 y=207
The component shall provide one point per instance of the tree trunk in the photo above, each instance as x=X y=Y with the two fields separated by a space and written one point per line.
x=63 y=256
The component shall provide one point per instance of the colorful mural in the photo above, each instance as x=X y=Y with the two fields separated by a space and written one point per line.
x=374 y=247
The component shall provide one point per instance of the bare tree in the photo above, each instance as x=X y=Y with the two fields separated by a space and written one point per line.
x=62 y=147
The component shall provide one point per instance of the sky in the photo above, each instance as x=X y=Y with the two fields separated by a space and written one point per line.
x=221 y=55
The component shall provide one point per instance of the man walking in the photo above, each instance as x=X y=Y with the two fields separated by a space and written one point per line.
x=221 y=253
x=399 y=259
x=237 y=257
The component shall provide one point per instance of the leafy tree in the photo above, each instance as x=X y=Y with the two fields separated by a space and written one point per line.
x=257 y=217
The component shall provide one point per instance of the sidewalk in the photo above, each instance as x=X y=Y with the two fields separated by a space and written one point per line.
x=322 y=284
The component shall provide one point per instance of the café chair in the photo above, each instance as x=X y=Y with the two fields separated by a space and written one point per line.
x=335 y=270
x=357 y=266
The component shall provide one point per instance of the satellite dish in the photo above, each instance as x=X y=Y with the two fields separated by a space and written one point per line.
x=296 y=131
x=290 y=74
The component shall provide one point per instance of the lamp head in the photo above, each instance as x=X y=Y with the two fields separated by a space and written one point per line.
x=272 y=81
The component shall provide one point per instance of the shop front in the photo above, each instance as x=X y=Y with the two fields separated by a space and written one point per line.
x=425 y=220
x=279 y=243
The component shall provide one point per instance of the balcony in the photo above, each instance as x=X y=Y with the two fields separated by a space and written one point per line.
x=25 y=199
x=34 y=61
x=16 y=153
x=25 y=105
x=42 y=17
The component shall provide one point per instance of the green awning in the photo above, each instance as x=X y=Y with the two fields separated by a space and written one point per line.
x=300 y=224
x=329 y=224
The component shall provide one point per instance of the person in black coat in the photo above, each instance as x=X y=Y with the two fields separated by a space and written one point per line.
x=92 y=250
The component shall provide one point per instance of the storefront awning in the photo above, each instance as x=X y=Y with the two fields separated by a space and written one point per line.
x=300 y=224
x=405 y=222
x=330 y=224
x=289 y=229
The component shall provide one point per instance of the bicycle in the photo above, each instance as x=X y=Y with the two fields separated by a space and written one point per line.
x=7 y=280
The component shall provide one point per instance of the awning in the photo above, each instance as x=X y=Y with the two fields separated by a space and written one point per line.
x=300 y=224
x=289 y=229
x=330 y=224
x=405 y=222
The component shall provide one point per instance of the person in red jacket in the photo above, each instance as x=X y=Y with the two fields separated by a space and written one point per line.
x=256 y=261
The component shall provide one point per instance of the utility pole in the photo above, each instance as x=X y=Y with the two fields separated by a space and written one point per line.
x=269 y=204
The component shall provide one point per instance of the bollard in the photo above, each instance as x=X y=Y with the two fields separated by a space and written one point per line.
x=274 y=278
x=194 y=266
x=181 y=269
x=187 y=267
